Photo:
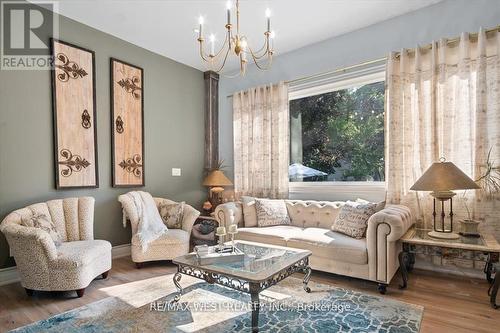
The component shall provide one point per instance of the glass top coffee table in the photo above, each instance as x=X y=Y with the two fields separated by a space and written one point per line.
x=263 y=266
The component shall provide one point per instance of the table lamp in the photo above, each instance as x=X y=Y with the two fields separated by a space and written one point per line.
x=442 y=178
x=216 y=180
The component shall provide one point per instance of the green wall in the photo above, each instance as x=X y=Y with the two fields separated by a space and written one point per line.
x=173 y=125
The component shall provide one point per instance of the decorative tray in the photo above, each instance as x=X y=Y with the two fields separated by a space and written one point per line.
x=214 y=257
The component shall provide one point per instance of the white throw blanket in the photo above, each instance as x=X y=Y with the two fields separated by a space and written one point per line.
x=150 y=224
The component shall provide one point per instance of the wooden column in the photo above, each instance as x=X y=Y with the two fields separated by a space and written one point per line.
x=211 y=119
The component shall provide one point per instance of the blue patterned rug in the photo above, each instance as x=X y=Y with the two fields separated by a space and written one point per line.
x=145 y=306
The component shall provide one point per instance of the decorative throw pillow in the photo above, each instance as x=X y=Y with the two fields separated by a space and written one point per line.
x=172 y=214
x=380 y=204
x=42 y=221
x=352 y=219
x=271 y=212
x=249 y=212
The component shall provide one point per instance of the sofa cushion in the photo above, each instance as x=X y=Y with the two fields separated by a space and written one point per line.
x=249 y=212
x=317 y=214
x=271 y=212
x=332 y=245
x=353 y=219
x=378 y=208
x=172 y=236
x=275 y=235
x=81 y=253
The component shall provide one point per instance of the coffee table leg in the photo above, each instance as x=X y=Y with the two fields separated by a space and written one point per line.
x=255 y=311
x=177 y=278
x=307 y=277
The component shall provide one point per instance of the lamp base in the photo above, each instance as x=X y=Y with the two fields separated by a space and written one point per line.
x=443 y=235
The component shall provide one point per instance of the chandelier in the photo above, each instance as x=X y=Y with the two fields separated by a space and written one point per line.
x=236 y=45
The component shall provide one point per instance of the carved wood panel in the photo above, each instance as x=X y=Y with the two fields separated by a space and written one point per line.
x=127 y=113
x=74 y=113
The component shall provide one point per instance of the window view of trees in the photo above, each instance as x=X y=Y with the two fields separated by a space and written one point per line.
x=338 y=136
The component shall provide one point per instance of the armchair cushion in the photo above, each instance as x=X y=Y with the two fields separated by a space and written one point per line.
x=42 y=222
x=81 y=253
x=171 y=214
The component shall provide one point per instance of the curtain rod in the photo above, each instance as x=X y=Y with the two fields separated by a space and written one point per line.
x=397 y=55
x=339 y=70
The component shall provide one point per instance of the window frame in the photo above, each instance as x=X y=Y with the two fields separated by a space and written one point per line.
x=329 y=83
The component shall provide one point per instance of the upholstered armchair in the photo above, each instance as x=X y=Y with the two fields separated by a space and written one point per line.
x=172 y=244
x=44 y=265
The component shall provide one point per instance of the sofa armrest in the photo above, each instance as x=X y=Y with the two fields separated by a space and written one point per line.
x=385 y=228
x=189 y=217
x=224 y=213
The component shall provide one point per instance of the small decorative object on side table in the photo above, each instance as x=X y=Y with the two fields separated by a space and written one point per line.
x=204 y=231
x=484 y=249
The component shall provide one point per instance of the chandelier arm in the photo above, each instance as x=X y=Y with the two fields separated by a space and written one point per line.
x=224 y=61
x=266 y=67
x=264 y=48
x=202 y=54
x=258 y=57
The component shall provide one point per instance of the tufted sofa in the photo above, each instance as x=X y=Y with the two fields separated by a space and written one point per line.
x=172 y=244
x=373 y=258
x=70 y=266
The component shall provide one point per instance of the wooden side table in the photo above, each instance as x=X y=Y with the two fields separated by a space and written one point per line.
x=484 y=249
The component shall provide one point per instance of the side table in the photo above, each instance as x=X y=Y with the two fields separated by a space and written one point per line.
x=484 y=250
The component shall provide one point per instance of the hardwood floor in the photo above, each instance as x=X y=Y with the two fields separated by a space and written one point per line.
x=452 y=304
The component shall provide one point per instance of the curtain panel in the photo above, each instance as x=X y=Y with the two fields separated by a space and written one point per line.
x=261 y=141
x=443 y=101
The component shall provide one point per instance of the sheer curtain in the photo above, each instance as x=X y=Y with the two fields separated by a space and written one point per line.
x=261 y=141
x=443 y=101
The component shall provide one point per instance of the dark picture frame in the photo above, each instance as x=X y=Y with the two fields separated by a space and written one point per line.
x=128 y=164
x=67 y=162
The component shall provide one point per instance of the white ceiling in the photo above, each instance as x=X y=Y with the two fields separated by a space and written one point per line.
x=166 y=26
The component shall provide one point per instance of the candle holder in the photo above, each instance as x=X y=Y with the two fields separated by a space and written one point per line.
x=233 y=230
x=221 y=232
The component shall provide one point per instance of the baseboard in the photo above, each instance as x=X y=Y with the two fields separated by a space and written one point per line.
x=120 y=251
x=9 y=275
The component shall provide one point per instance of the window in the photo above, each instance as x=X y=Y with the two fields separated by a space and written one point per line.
x=337 y=132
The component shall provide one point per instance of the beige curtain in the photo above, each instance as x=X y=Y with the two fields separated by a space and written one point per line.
x=261 y=141
x=443 y=101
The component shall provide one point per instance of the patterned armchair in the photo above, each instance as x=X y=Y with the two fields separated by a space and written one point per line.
x=72 y=265
x=172 y=244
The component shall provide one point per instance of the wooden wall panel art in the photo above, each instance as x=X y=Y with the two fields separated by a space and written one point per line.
x=74 y=113
x=127 y=124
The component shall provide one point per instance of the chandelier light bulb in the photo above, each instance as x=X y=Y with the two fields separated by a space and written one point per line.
x=212 y=38
x=201 y=20
x=229 y=4
x=272 y=35
x=268 y=12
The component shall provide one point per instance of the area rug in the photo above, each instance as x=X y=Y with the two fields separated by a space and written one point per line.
x=146 y=306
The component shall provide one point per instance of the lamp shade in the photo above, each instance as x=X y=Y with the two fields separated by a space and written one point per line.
x=444 y=176
x=216 y=178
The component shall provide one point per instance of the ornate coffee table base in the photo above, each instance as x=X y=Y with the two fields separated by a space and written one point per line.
x=253 y=288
